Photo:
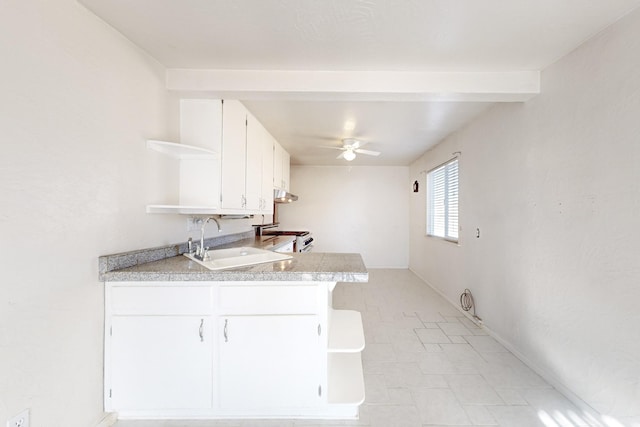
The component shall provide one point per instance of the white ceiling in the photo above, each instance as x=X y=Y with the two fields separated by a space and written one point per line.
x=432 y=38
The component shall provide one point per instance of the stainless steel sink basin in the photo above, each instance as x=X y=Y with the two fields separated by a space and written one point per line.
x=238 y=257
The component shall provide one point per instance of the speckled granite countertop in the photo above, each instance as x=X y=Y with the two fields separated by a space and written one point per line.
x=167 y=264
x=311 y=266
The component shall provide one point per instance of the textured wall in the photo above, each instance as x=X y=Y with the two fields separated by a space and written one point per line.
x=78 y=101
x=554 y=186
x=360 y=209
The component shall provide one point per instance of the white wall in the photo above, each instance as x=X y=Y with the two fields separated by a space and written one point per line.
x=78 y=101
x=361 y=209
x=554 y=186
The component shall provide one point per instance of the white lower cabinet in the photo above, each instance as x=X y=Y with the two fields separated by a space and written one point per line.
x=230 y=350
x=161 y=362
x=269 y=362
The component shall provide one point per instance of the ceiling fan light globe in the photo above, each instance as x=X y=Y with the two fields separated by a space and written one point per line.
x=349 y=155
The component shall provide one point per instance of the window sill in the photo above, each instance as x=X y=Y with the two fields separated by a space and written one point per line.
x=443 y=239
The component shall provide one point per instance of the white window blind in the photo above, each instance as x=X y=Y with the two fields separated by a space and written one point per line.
x=442 y=201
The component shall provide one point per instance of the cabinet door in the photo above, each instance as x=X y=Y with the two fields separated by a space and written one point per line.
x=286 y=169
x=269 y=362
x=201 y=123
x=256 y=134
x=277 y=166
x=161 y=362
x=281 y=167
x=200 y=126
x=267 y=174
x=234 y=141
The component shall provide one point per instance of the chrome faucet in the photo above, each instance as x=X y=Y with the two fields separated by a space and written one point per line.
x=201 y=252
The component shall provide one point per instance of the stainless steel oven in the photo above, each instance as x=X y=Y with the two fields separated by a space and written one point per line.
x=303 y=242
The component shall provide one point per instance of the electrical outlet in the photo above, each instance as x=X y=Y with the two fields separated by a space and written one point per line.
x=193 y=223
x=20 y=420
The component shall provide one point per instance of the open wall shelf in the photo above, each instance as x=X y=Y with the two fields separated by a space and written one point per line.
x=344 y=362
x=181 y=151
x=178 y=209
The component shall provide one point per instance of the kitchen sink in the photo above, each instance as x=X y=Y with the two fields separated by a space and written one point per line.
x=238 y=257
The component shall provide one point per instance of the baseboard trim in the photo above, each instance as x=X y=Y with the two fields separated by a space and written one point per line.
x=546 y=375
x=108 y=420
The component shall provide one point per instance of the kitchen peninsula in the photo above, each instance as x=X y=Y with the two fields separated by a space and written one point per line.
x=262 y=341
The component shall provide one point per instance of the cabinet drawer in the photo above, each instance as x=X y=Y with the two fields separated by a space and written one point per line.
x=161 y=300
x=265 y=299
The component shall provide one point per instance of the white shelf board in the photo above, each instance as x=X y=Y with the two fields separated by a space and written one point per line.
x=346 y=380
x=179 y=209
x=181 y=151
x=346 y=334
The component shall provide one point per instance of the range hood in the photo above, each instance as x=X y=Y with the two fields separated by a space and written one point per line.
x=282 y=196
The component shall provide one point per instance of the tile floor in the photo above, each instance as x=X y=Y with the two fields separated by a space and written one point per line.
x=425 y=364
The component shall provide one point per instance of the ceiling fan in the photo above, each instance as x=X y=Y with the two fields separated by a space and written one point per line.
x=350 y=147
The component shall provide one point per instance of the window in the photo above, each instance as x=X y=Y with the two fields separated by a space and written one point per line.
x=442 y=201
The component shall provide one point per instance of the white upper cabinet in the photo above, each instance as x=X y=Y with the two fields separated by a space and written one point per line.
x=226 y=160
x=201 y=126
x=247 y=162
x=201 y=123
x=286 y=170
x=281 y=167
x=256 y=134
x=259 y=167
x=277 y=165
x=199 y=157
x=267 y=174
x=234 y=152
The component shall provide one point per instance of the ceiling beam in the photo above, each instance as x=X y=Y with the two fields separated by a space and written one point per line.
x=512 y=86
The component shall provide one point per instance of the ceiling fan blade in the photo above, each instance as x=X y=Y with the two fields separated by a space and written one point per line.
x=367 y=152
x=316 y=137
x=353 y=143
x=333 y=148
x=341 y=155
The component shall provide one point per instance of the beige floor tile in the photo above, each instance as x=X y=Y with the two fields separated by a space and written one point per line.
x=456 y=328
x=409 y=350
x=432 y=336
x=464 y=355
x=557 y=406
x=410 y=375
x=480 y=415
x=486 y=344
x=458 y=339
x=441 y=364
x=439 y=406
x=430 y=316
x=516 y=416
x=473 y=390
x=505 y=371
x=431 y=325
x=511 y=396
x=469 y=324
x=378 y=351
x=395 y=416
